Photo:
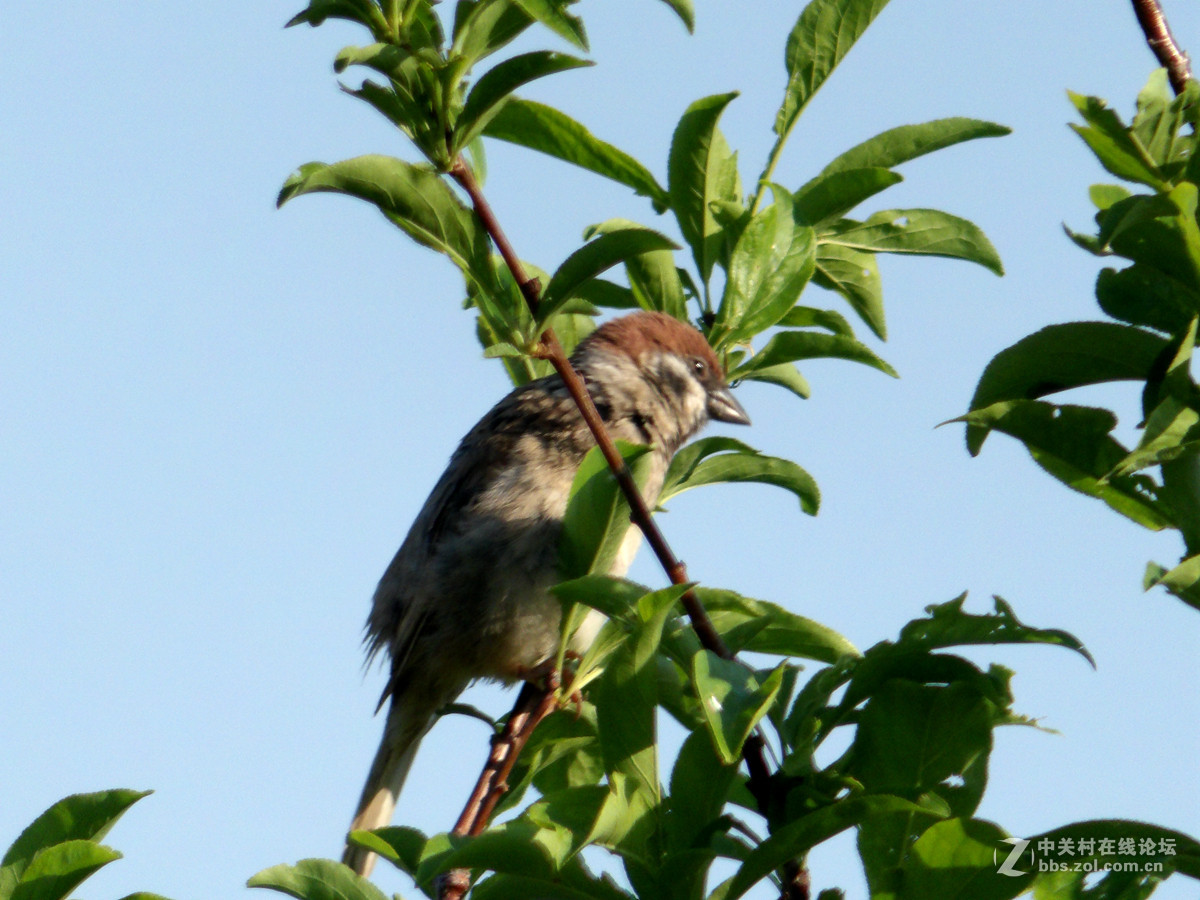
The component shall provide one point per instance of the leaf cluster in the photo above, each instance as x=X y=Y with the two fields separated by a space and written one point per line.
x=1153 y=304
x=61 y=848
x=765 y=254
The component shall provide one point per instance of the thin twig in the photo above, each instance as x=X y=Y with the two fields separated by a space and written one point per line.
x=1158 y=35
x=533 y=704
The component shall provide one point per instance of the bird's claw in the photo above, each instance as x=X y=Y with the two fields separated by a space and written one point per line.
x=548 y=675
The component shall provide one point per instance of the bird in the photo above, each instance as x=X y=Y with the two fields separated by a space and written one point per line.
x=466 y=596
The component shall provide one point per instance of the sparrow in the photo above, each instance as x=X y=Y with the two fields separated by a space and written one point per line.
x=467 y=595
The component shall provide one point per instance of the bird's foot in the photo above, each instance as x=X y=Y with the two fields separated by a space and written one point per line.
x=548 y=676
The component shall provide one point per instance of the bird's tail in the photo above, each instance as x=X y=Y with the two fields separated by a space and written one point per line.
x=401 y=736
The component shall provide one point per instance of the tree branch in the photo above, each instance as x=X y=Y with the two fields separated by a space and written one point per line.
x=1158 y=35
x=533 y=704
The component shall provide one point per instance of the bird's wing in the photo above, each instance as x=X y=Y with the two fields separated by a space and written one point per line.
x=400 y=615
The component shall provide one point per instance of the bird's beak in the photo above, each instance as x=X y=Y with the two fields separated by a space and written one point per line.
x=722 y=407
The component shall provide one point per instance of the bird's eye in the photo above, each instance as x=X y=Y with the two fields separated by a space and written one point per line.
x=699 y=366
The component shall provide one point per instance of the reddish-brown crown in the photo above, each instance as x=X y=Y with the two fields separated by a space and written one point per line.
x=641 y=332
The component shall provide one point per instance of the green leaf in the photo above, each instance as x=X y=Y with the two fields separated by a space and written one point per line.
x=1183 y=581
x=575 y=810
x=855 y=275
x=317 y=879
x=912 y=737
x=732 y=700
x=556 y=134
x=927 y=232
x=615 y=597
x=495 y=85
x=412 y=197
x=785 y=375
x=656 y=284
x=809 y=317
x=597 y=515
x=520 y=887
x=1170 y=431
x=653 y=277
x=956 y=859
x=1061 y=357
x=949 y=626
x=387 y=59
x=898 y=145
x=1158 y=120
x=821 y=37
x=1073 y=444
x=399 y=844
x=683 y=9
x=601 y=292
x=1117 y=148
x=553 y=14
x=563 y=752
x=414 y=96
x=1159 y=231
x=55 y=871
x=700 y=785
x=572 y=327
x=719 y=460
x=700 y=172
x=421 y=28
x=771 y=263
x=517 y=847
x=829 y=196
x=1105 y=195
x=884 y=843
x=757 y=626
x=79 y=817
x=788 y=346
x=407 y=110
x=626 y=699
x=573 y=760
x=502 y=305
x=593 y=258
x=364 y=12
x=1144 y=295
x=482 y=28
x=800 y=835
x=477 y=159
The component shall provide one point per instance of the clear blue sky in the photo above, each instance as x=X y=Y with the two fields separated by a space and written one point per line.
x=219 y=419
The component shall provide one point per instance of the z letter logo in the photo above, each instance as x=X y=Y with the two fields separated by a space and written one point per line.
x=1006 y=867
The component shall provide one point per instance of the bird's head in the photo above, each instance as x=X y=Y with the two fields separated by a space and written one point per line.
x=654 y=366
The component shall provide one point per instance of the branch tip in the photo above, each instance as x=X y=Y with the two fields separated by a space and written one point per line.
x=1154 y=25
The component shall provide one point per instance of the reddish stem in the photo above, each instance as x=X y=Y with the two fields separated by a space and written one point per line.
x=1158 y=35
x=533 y=704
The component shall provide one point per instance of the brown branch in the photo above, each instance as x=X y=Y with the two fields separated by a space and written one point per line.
x=759 y=782
x=533 y=704
x=1158 y=35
